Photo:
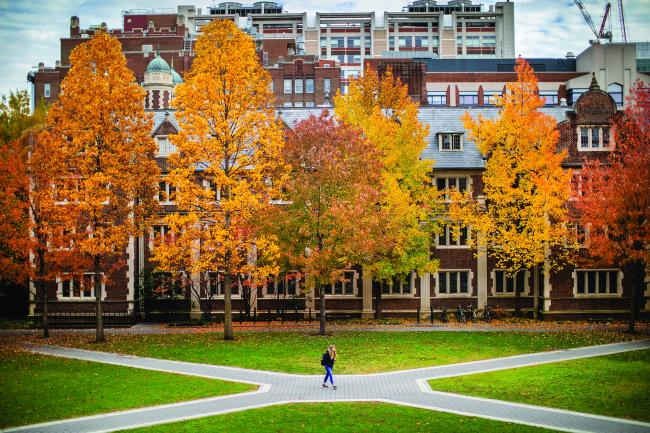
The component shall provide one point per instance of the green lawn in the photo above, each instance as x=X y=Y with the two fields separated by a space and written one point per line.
x=36 y=388
x=615 y=385
x=340 y=418
x=358 y=352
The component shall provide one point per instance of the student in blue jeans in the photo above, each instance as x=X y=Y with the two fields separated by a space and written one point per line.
x=328 y=362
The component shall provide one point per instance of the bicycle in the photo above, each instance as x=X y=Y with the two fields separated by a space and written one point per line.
x=472 y=313
x=460 y=315
x=487 y=314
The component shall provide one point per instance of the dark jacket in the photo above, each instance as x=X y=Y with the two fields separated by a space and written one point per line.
x=327 y=359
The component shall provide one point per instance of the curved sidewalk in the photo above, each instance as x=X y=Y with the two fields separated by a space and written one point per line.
x=407 y=387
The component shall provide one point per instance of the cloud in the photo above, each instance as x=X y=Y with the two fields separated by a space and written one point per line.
x=30 y=30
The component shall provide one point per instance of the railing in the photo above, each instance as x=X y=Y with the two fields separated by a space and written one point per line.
x=79 y=314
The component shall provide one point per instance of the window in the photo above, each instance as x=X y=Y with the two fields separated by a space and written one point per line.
x=448 y=183
x=298 y=104
x=288 y=285
x=160 y=233
x=78 y=287
x=550 y=98
x=399 y=285
x=615 y=90
x=468 y=98
x=338 y=42
x=297 y=83
x=598 y=282
x=354 y=59
x=405 y=41
x=214 y=284
x=584 y=137
x=309 y=85
x=594 y=138
x=489 y=41
x=459 y=41
x=453 y=283
x=505 y=284
x=287 y=104
x=446 y=237
x=345 y=286
x=450 y=141
x=472 y=41
x=578 y=235
x=326 y=85
x=166 y=192
x=354 y=42
x=437 y=98
x=367 y=42
x=165 y=148
x=574 y=94
x=323 y=42
x=287 y=86
x=421 y=41
x=490 y=96
x=391 y=42
x=309 y=104
x=46 y=90
x=344 y=88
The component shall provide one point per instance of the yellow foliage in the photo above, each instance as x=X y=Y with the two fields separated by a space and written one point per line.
x=523 y=213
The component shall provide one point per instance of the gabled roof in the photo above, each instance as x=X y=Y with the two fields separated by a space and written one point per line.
x=163 y=124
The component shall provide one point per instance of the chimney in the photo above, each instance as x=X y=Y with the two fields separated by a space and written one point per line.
x=41 y=66
x=57 y=64
x=74 y=26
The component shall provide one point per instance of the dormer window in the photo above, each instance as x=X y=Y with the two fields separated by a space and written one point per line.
x=450 y=141
x=594 y=138
x=165 y=147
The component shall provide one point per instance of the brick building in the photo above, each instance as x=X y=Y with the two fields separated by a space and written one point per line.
x=307 y=65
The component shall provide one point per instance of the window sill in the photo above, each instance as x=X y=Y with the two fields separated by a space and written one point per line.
x=88 y=299
x=397 y=296
x=453 y=295
x=510 y=295
x=598 y=295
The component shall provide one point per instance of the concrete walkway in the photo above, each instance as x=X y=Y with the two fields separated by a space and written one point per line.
x=408 y=387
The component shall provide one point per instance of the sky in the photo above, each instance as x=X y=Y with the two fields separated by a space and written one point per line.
x=30 y=30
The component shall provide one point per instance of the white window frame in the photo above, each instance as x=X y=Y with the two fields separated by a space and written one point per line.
x=470 y=276
x=164 y=140
x=590 y=145
x=288 y=89
x=309 y=85
x=447 y=232
x=47 y=90
x=468 y=183
x=59 y=288
x=206 y=275
x=167 y=192
x=504 y=294
x=327 y=86
x=399 y=293
x=451 y=136
x=355 y=287
x=298 y=85
x=276 y=284
x=619 y=281
x=164 y=231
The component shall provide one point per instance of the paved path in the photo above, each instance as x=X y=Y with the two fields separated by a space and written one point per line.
x=408 y=387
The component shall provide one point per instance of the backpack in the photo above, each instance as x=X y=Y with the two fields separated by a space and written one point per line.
x=322 y=360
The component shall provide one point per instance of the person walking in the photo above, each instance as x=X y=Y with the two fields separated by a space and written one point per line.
x=328 y=362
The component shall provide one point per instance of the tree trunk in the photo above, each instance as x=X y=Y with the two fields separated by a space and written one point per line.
x=322 y=310
x=227 y=304
x=42 y=289
x=99 y=332
x=517 y=298
x=638 y=284
x=378 y=300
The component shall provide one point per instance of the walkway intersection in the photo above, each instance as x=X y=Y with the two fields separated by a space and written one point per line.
x=408 y=387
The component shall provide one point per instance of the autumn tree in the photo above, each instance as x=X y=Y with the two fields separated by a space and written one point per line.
x=229 y=164
x=34 y=240
x=382 y=109
x=327 y=220
x=522 y=218
x=100 y=124
x=615 y=202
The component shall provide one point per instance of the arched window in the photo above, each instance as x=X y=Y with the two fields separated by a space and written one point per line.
x=615 y=90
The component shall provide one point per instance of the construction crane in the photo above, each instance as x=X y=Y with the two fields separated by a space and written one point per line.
x=602 y=33
x=621 y=18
